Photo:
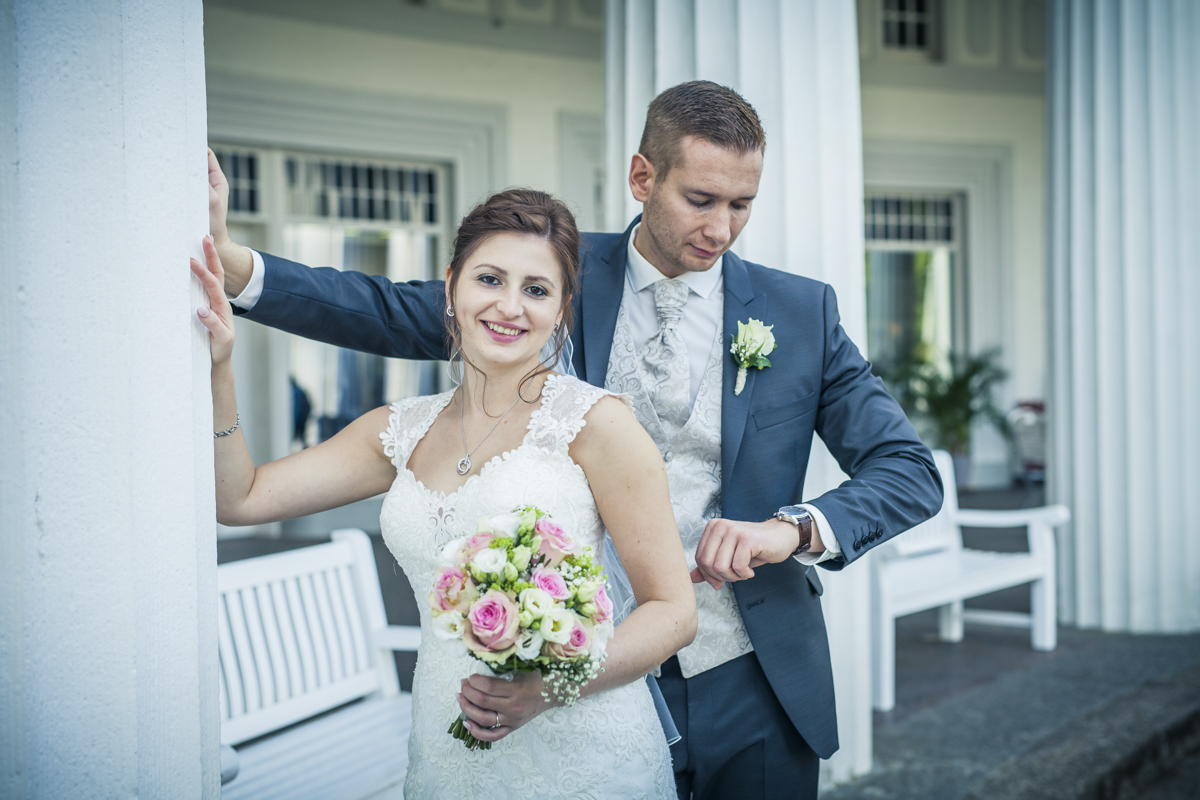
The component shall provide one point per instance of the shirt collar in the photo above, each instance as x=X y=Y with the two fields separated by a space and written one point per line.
x=641 y=274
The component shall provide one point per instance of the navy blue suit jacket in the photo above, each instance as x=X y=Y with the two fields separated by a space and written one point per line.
x=818 y=382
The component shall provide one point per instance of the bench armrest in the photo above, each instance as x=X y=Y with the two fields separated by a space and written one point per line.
x=230 y=764
x=1017 y=518
x=399 y=637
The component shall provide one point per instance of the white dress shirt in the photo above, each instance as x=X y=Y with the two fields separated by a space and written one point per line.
x=704 y=312
x=253 y=289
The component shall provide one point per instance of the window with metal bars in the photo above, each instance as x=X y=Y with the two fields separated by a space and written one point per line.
x=915 y=281
x=241 y=170
x=908 y=25
x=909 y=218
x=362 y=190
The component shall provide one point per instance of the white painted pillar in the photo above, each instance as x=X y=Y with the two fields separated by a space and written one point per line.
x=1124 y=110
x=796 y=61
x=108 y=566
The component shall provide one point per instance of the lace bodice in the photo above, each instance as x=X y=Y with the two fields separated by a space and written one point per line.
x=607 y=745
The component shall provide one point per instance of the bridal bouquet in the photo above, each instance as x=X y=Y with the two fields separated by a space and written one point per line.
x=523 y=595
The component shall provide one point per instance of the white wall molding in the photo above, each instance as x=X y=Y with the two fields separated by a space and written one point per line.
x=976 y=31
x=984 y=174
x=581 y=168
x=986 y=46
x=1123 y=111
x=573 y=31
x=472 y=138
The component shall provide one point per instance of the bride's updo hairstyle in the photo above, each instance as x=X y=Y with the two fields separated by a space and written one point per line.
x=527 y=212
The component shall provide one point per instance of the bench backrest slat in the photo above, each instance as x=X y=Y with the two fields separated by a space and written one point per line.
x=293 y=639
x=939 y=532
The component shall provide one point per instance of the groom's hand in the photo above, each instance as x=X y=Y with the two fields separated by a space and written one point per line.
x=730 y=550
x=238 y=262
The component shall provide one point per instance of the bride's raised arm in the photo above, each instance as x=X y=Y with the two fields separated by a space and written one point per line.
x=628 y=480
x=348 y=467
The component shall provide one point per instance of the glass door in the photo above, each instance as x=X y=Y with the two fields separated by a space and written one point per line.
x=916 y=285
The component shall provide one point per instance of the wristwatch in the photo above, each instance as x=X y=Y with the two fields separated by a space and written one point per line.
x=801 y=519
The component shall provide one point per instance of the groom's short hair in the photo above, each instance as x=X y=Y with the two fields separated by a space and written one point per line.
x=702 y=109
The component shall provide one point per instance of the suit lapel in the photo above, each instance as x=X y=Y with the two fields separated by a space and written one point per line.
x=740 y=304
x=600 y=300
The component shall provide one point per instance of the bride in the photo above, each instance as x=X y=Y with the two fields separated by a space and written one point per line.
x=514 y=433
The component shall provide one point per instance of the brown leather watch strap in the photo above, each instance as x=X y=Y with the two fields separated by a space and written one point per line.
x=805 y=526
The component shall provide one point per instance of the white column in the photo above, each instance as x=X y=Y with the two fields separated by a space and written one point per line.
x=108 y=566
x=1124 y=110
x=796 y=61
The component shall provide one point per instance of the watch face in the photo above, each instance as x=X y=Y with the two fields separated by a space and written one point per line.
x=795 y=513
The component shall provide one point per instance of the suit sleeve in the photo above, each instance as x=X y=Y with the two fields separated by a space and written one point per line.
x=353 y=310
x=893 y=483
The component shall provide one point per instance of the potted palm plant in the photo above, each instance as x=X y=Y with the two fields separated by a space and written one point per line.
x=946 y=402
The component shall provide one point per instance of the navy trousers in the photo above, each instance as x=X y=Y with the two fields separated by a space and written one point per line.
x=737 y=740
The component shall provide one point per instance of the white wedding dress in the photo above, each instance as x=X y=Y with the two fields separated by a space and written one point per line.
x=608 y=745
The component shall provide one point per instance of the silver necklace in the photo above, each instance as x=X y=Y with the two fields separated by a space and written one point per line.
x=464 y=464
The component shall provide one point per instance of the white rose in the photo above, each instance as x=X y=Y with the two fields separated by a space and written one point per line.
x=504 y=525
x=537 y=602
x=557 y=625
x=448 y=625
x=762 y=337
x=753 y=339
x=529 y=646
x=447 y=556
x=600 y=636
x=490 y=561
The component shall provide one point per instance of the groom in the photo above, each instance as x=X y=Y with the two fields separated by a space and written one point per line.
x=660 y=306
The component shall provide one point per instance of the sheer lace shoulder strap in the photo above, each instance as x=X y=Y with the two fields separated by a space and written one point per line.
x=408 y=422
x=565 y=401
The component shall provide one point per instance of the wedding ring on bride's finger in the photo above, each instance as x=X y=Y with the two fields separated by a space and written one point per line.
x=497 y=725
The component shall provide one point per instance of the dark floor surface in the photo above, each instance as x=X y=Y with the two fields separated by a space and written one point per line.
x=964 y=709
x=1182 y=784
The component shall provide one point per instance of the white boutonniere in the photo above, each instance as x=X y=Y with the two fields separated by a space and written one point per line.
x=754 y=342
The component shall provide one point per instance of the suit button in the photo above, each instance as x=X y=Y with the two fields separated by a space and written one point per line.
x=667 y=456
x=857 y=545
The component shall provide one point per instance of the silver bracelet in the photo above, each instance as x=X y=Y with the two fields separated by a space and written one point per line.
x=227 y=431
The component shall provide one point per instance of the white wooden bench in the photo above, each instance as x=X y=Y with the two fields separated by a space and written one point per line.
x=308 y=686
x=928 y=567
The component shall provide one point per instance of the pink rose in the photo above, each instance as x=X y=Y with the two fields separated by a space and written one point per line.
x=494 y=623
x=577 y=645
x=551 y=583
x=556 y=545
x=604 y=606
x=452 y=590
x=474 y=543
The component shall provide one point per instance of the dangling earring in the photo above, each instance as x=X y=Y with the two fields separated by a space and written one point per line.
x=449 y=310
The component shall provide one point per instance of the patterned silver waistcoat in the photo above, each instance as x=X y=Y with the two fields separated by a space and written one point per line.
x=693 y=459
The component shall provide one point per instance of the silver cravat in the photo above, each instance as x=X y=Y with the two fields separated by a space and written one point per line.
x=666 y=358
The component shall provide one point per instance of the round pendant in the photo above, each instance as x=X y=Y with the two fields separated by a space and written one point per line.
x=464 y=466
